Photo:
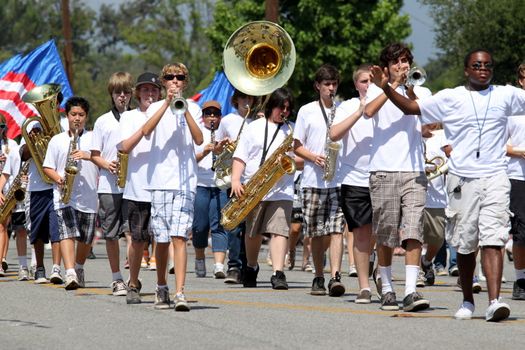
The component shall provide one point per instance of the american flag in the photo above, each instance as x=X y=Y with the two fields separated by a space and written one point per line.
x=21 y=73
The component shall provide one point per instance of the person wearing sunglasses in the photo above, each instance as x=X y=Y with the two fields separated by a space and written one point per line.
x=171 y=178
x=475 y=118
x=112 y=211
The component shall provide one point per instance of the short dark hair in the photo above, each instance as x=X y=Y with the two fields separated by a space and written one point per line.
x=392 y=53
x=327 y=72
x=471 y=52
x=521 y=71
x=77 y=101
x=277 y=99
x=237 y=94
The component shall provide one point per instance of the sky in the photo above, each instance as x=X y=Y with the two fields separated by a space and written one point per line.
x=422 y=36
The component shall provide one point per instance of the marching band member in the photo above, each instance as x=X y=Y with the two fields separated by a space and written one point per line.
x=138 y=200
x=76 y=217
x=112 y=211
x=171 y=179
x=273 y=214
x=322 y=214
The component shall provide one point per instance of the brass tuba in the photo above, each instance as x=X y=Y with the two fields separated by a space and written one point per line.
x=16 y=193
x=258 y=58
x=260 y=184
x=45 y=99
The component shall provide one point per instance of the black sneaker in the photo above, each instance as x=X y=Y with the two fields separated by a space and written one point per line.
x=521 y=283
x=233 y=276
x=335 y=287
x=518 y=293
x=318 y=286
x=250 y=277
x=430 y=277
x=5 y=266
x=389 y=302
x=279 y=281
x=415 y=302
x=133 y=296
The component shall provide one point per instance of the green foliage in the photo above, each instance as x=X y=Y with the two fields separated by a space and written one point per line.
x=463 y=25
x=342 y=33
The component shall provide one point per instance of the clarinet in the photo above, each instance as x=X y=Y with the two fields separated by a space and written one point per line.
x=212 y=141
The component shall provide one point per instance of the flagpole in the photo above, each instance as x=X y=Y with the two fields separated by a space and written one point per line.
x=272 y=10
x=68 y=46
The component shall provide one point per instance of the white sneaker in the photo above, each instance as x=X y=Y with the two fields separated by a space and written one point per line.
x=218 y=271
x=71 y=282
x=81 y=278
x=497 y=311
x=56 y=277
x=200 y=267
x=465 y=311
x=23 y=274
x=181 y=304
x=352 y=271
x=119 y=288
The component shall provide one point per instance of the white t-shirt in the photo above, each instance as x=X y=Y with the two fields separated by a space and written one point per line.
x=106 y=135
x=397 y=145
x=139 y=157
x=204 y=173
x=172 y=164
x=250 y=151
x=12 y=168
x=310 y=130
x=35 y=182
x=462 y=124
x=83 y=196
x=357 y=145
x=230 y=126
x=516 y=134
x=436 y=190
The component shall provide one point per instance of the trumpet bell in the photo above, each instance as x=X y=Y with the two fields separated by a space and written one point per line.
x=416 y=76
x=259 y=57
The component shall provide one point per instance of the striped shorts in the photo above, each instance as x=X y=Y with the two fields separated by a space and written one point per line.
x=398 y=200
x=321 y=212
x=171 y=214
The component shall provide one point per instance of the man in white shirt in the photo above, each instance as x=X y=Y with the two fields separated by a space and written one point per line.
x=397 y=179
x=474 y=117
x=323 y=217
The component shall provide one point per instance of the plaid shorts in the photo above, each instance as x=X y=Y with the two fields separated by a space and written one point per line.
x=171 y=214
x=321 y=212
x=76 y=225
x=398 y=200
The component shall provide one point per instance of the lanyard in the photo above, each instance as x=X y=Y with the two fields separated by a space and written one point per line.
x=265 y=150
x=324 y=112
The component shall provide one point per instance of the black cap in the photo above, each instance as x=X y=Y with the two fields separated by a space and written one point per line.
x=148 y=78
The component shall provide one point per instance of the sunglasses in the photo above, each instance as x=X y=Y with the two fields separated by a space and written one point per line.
x=213 y=112
x=478 y=65
x=169 y=77
x=3 y=126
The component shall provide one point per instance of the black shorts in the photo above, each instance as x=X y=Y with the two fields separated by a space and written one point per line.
x=357 y=206
x=139 y=214
x=517 y=207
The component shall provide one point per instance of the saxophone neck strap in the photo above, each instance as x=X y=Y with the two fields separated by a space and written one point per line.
x=324 y=112
x=266 y=149
x=116 y=113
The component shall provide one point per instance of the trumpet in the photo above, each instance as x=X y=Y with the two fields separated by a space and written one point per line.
x=179 y=105
x=416 y=76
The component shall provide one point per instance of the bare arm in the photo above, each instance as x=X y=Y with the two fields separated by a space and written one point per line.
x=339 y=130
x=102 y=163
x=128 y=144
x=518 y=152
x=238 y=167
x=152 y=122
x=53 y=175
x=207 y=149
x=308 y=156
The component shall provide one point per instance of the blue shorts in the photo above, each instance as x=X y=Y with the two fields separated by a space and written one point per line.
x=41 y=217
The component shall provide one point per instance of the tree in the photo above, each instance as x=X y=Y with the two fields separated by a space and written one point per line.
x=342 y=33
x=463 y=25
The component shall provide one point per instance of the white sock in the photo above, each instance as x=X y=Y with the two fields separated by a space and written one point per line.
x=386 y=279
x=79 y=266
x=22 y=261
x=71 y=272
x=162 y=286
x=368 y=289
x=117 y=276
x=411 y=272
x=520 y=274
x=33 y=257
x=55 y=266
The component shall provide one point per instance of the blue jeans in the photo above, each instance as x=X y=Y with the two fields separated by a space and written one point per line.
x=236 y=248
x=207 y=214
x=441 y=257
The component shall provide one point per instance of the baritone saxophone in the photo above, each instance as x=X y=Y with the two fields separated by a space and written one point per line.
x=260 y=184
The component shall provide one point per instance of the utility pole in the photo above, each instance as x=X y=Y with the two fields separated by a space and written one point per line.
x=68 y=47
x=272 y=11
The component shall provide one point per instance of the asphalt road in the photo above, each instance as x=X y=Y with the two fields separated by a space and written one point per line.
x=231 y=317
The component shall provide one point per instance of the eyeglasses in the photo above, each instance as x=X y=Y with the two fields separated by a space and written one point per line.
x=478 y=65
x=169 y=77
x=3 y=126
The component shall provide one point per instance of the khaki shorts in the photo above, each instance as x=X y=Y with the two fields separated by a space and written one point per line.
x=272 y=217
x=434 y=226
x=478 y=213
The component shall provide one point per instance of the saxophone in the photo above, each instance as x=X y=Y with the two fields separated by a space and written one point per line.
x=260 y=184
x=16 y=193
x=122 y=168
x=71 y=169
x=331 y=148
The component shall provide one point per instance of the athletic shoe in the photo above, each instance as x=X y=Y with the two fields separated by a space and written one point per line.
x=453 y=271
x=56 y=277
x=364 y=297
x=415 y=302
x=81 y=278
x=233 y=276
x=476 y=286
x=23 y=274
x=465 y=311
x=420 y=282
x=162 y=298
x=40 y=275
x=440 y=271
x=152 y=264
x=278 y=281
x=352 y=272
x=335 y=287
x=143 y=263
x=71 y=282
x=2 y=272
x=389 y=302
x=249 y=279
x=518 y=293
x=5 y=265
x=218 y=271
x=200 y=267
x=181 y=304
x=428 y=272
x=119 y=288
x=133 y=296
x=497 y=311
x=318 y=286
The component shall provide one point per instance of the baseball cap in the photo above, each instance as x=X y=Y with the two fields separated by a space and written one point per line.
x=148 y=78
x=211 y=103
